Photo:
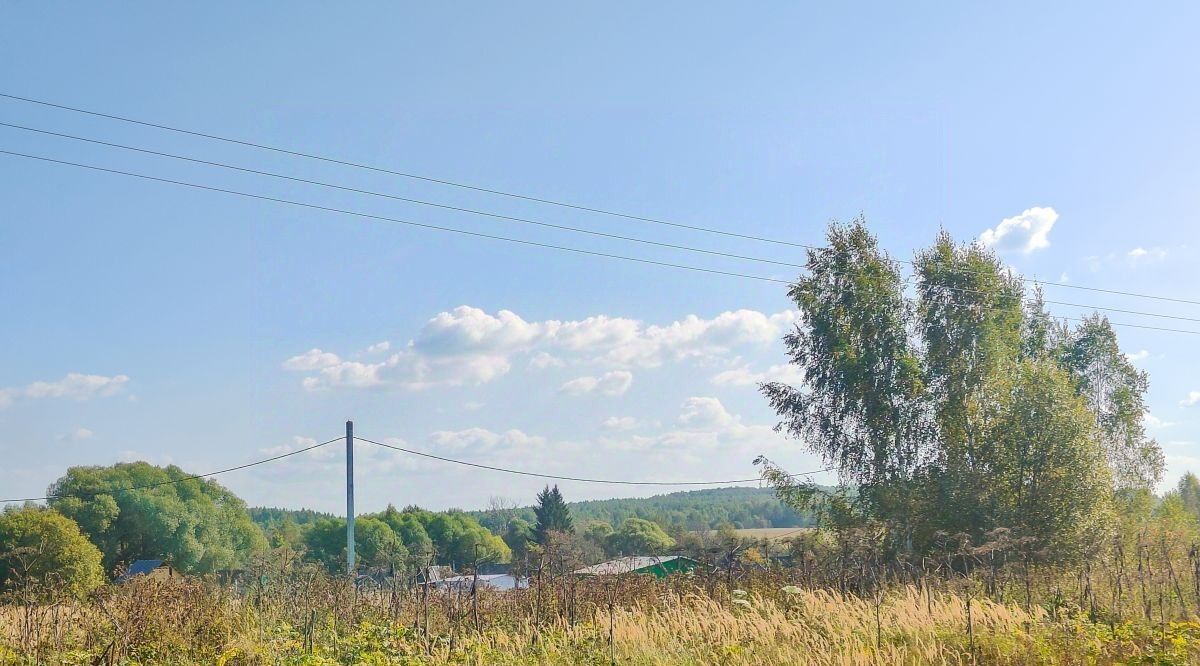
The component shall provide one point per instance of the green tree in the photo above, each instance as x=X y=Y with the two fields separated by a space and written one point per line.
x=378 y=546
x=639 y=537
x=970 y=314
x=409 y=527
x=325 y=542
x=1115 y=392
x=964 y=409
x=552 y=514
x=597 y=533
x=45 y=548
x=862 y=406
x=1189 y=493
x=196 y=524
x=518 y=535
x=1050 y=478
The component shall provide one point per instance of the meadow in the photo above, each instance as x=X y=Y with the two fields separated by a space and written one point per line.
x=771 y=616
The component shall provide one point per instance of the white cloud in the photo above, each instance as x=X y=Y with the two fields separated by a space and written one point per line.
x=1025 y=233
x=704 y=422
x=75 y=386
x=620 y=423
x=1140 y=256
x=77 y=435
x=379 y=347
x=1154 y=423
x=743 y=376
x=705 y=413
x=543 y=360
x=479 y=439
x=1193 y=398
x=615 y=382
x=313 y=359
x=1064 y=278
x=468 y=346
x=1140 y=355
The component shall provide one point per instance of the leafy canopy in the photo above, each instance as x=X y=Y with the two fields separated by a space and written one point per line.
x=44 y=548
x=196 y=524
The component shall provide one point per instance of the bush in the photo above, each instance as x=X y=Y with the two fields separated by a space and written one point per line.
x=44 y=548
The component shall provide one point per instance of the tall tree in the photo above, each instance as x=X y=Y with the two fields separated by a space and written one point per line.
x=552 y=514
x=1115 y=391
x=969 y=319
x=862 y=406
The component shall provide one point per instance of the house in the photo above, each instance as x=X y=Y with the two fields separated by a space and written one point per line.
x=151 y=569
x=659 y=567
x=501 y=581
x=433 y=575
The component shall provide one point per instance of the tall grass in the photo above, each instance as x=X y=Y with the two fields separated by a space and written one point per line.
x=310 y=618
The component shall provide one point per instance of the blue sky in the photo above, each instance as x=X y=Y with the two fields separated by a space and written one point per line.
x=146 y=321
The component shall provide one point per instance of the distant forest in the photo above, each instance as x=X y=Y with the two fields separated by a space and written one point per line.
x=692 y=510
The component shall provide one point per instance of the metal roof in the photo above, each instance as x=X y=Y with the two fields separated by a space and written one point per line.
x=140 y=568
x=624 y=565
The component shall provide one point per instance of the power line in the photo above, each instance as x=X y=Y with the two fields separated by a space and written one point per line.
x=540 y=475
x=552 y=202
x=1052 y=302
x=516 y=219
x=173 y=481
x=523 y=220
x=394 y=219
x=465 y=232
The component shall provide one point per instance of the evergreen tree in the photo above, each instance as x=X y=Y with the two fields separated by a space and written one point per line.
x=552 y=514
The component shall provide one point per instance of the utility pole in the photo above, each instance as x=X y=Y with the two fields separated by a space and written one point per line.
x=350 y=498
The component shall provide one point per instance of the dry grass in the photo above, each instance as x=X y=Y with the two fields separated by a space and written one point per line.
x=319 y=622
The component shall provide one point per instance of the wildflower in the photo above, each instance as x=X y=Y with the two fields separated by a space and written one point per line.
x=791 y=589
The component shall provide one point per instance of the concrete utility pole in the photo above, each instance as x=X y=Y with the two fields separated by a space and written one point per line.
x=350 y=498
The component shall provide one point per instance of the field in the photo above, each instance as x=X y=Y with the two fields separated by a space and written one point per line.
x=311 y=619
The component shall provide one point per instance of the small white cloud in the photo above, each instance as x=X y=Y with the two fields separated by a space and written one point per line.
x=1140 y=355
x=1023 y=233
x=313 y=359
x=1193 y=398
x=77 y=435
x=620 y=423
x=483 y=439
x=75 y=386
x=615 y=382
x=473 y=406
x=705 y=413
x=379 y=347
x=1064 y=278
x=543 y=360
x=1140 y=256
